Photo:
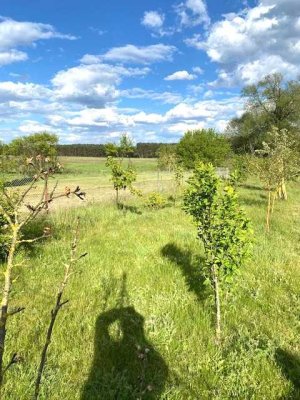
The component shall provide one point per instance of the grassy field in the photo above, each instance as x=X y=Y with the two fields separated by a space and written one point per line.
x=139 y=322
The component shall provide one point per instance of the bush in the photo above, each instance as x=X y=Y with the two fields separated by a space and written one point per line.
x=204 y=145
x=155 y=201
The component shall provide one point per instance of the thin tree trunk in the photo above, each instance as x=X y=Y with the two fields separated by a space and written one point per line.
x=55 y=310
x=54 y=313
x=268 y=212
x=215 y=281
x=5 y=298
x=283 y=192
x=117 y=197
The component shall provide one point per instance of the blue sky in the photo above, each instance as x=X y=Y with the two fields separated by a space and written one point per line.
x=92 y=70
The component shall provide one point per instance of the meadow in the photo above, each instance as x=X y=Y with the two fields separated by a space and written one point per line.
x=138 y=310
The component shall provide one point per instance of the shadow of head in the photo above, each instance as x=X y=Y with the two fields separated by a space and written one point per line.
x=191 y=267
x=289 y=364
x=125 y=364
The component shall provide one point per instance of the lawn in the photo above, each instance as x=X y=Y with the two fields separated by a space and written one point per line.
x=139 y=322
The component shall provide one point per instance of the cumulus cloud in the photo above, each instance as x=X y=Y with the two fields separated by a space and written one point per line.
x=11 y=56
x=153 y=19
x=254 y=42
x=11 y=91
x=180 y=76
x=14 y=34
x=92 y=85
x=192 y=13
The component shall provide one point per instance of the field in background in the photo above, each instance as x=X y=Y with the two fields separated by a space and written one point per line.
x=151 y=263
x=93 y=177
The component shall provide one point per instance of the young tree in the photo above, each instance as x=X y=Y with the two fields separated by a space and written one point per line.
x=167 y=158
x=275 y=164
x=59 y=303
x=18 y=213
x=121 y=177
x=124 y=149
x=204 y=145
x=222 y=227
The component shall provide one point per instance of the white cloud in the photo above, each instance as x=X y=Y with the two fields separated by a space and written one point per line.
x=198 y=70
x=254 y=42
x=164 y=97
x=192 y=13
x=11 y=56
x=92 y=85
x=14 y=34
x=140 y=55
x=180 y=76
x=10 y=91
x=29 y=126
x=182 y=127
x=153 y=19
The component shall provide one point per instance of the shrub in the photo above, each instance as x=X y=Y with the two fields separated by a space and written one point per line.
x=222 y=227
x=155 y=201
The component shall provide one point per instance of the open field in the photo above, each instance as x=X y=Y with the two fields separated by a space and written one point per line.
x=141 y=285
x=92 y=176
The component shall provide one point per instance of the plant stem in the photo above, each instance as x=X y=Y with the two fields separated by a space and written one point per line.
x=55 y=310
x=215 y=281
x=268 y=212
x=5 y=296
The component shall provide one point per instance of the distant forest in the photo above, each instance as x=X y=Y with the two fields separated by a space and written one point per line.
x=142 y=150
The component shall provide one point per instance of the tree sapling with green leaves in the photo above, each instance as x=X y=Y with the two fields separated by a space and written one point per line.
x=222 y=227
x=275 y=164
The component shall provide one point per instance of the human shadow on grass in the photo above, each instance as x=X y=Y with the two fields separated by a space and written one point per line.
x=125 y=366
x=192 y=270
x=289 y=364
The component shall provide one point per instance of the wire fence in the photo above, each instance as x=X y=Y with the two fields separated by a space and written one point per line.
x=101 y=190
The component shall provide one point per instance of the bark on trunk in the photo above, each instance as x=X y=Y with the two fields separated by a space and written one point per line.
x=5 y=298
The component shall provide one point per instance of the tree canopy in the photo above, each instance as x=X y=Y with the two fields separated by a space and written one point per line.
x=270 y=102
x=42 y=143
x=202 y=145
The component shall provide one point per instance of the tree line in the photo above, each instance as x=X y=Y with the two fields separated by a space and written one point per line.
x=271 y=103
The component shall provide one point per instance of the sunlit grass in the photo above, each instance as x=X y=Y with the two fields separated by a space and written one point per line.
x=148 y=265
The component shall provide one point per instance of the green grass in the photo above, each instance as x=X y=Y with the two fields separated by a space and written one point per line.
x=141 y=285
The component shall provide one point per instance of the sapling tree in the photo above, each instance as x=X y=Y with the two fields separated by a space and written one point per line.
x=178 y=180
x=275 y=164
x=222 y=227
x=122 y=177
x=59 y=303
x=19 y=210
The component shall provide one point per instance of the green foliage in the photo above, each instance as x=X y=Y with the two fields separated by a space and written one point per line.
x=43 y=144
x=270 y=102
x=121 y=177
x=262 y=315
x=204 y=145
x=125 y=147
x=155 y=201
x=167 y=158
x=277 y=160
x=222 y=227
x=240 y=170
